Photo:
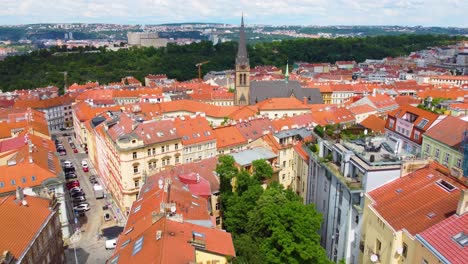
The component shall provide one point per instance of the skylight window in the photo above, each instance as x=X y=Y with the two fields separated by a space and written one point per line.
x=114 y=260
x=124 y=244
x=461 y=239
x=137 y=208
x=422 y=123
x=446 y=185
x=137 y=246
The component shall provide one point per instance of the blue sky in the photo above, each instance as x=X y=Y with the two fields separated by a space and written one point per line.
x=276 y=12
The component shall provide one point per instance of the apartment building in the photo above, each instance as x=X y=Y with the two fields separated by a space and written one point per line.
x=399 y=215
x=340 y=173
x=408 y=124
x=31 y=230
x=443 y=142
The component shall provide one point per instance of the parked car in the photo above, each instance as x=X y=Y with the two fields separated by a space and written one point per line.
x=79 y=199
x=70 y=140
x=67 y=164
x=78 y=190
x=75 y=188
x=75 y=150
x=82 y=207
x=111 y=243
x=72 y=184
x=68 y=170
x=78 y=194
x=92 y=179
x=62 y=153
x=70 y=176
x=84 y=164
x=62 y=129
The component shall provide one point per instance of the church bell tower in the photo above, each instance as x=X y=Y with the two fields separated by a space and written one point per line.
x=242 y=93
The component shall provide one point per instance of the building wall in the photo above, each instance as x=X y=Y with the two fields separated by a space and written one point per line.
x=199 y=151
x=421 y=253
x=430 y=148
x=204 y=257
x=272 y=114
x=301 y=173
x=47 y=247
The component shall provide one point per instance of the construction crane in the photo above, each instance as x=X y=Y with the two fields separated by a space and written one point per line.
x=199 y=68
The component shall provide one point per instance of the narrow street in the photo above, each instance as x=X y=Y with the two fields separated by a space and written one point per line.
x=87 y=244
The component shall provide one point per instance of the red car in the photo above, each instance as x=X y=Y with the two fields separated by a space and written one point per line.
x=72 y=184
x=75 y=150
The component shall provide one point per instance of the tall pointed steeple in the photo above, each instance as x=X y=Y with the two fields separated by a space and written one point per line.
x=242 y=93
x=286 y=74
x=242 y=56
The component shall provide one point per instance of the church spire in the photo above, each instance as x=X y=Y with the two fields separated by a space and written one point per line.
x=286 y=74
x=242 y=57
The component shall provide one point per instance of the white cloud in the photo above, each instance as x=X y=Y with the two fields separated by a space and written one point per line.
x=321 y=12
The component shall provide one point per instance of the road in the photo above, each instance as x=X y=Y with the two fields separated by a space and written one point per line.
x=87 y=245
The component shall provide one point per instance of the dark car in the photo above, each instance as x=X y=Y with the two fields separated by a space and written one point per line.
x=72 y=184
x=62 y=129
x=70 y=176
x=92 y=179
x=63 y=153
x=69 y=169
x=78 y=194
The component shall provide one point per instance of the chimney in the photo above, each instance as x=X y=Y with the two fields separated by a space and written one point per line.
x=463 y=202
x=19 y=194
x=304 y=100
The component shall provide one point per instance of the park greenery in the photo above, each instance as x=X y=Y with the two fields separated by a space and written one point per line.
x=269 y=225
x=45 y=67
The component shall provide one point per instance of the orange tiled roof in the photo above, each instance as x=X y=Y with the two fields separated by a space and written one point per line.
x=281 y=103
x=21 y=223
x=228 y=136
x=416 y=202
x=361 y=109
x=194 y=129
x=406 y=99
x=374 y=123
x=421 y=113
x=449 y=131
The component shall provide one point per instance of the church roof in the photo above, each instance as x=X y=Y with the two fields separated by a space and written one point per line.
x=261 y=90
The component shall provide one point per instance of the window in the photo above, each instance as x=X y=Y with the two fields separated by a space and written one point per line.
x=176 y=146
x=424 y=261
x=13 y=182
x=23 y=180
x=149 y=152
x=391 y=123
x=459 y=163
x=378 y=246
x=437 y=153
x=405 y=250
x=2 y=184
x=218 y=220
x=167 y=148
x=154 y=151
x=199 y=147
x=428 y=148
x=422 y=123
x=137 y=246
x=134 y=155
x=416 y=135
x=162 y=149
x=135 y=168
x=447 y=157
x=177 y=160
x=137 y=183
x=461 y=239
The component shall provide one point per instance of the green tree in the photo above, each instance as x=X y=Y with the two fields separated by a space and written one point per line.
x=288 y=228
x=262 y=170
x=226 y=171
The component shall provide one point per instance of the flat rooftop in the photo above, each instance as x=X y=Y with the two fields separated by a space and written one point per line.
x=382 y=148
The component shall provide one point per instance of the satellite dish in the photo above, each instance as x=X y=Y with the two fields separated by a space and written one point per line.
x=399 y=250
x=374 y=258
x=173 y=209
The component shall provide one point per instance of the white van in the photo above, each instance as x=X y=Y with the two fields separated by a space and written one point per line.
x=111 y=243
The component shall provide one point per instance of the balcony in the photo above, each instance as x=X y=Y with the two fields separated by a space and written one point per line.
x=352 y=183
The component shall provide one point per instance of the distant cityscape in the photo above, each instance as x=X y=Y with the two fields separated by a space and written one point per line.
x=344 y=162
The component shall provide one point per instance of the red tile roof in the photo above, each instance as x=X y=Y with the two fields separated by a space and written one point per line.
x=281 y=103
x=194 y=129
x=228 y=136
x=420 y=113
x=440 y=237
x=374 y=123
x=449 y=131
x=406 y=99
x=416 y=202
x=21 y=223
